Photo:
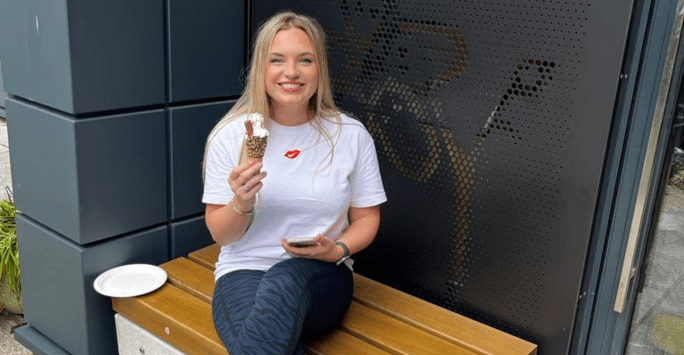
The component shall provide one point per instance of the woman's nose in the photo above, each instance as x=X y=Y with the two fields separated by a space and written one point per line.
x=291 y=70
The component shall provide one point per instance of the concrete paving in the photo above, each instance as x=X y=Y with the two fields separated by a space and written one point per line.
x=5 y=173
x=9 y=346
x=659 y=311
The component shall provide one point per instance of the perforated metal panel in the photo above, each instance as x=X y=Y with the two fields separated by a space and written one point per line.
x=490 y=119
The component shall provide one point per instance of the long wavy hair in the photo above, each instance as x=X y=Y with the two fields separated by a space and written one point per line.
x=254 y=98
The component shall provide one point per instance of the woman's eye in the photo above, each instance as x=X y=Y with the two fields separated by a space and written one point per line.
x=307 y=60
x=276 y=60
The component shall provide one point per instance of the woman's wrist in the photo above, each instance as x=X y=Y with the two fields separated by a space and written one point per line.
x=345 y=252
x=241 y=210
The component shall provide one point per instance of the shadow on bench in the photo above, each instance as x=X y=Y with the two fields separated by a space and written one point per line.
x=381 y=320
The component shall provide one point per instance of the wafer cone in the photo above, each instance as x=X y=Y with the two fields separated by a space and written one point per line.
x=255 y=145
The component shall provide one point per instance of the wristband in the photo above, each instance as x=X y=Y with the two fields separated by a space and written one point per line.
x=346 y=253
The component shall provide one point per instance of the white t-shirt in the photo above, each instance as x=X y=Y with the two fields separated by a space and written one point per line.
x=303 y=195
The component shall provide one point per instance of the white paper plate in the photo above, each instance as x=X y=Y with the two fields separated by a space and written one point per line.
x=130 y=280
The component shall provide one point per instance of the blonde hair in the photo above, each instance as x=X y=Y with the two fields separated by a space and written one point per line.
x=254 y=98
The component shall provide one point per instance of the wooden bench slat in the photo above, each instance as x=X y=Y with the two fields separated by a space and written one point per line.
x=394 y=335
x=206 y=256
x=176 y=317
x=196 y=280
x=191 y=277
x=445 y=324
x=338 y=342
x=436 y=320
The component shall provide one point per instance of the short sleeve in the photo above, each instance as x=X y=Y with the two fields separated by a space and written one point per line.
x=366 y=182
x=222 y=155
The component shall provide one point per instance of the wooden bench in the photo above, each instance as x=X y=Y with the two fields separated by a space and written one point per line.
x=381 y=320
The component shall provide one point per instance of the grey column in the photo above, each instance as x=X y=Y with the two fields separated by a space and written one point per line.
x=109 y=106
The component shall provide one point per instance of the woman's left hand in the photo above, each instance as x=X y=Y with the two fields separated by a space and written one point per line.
x=324 y=250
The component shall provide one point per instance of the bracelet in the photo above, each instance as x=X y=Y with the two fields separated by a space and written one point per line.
x=345 y=256
x=232 y=203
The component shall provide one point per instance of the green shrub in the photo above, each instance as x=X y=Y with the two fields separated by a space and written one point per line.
x=9 y=251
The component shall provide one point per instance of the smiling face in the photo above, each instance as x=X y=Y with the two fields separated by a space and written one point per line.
x=291 y=71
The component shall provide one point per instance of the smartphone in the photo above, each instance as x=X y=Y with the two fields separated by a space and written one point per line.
x=302 y=242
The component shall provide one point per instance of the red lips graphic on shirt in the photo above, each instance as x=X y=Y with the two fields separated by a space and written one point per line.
x=291 y=154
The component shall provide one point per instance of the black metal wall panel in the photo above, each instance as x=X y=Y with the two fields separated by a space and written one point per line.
x=491 y=121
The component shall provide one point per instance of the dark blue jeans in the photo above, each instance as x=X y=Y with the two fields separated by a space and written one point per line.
x=271 y=312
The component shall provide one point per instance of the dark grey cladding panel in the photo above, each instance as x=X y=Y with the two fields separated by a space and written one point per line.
x=491 y=121
x=206 y=48
x=57 y=283
x=34 y=45
x=117 y=53
x=188 y=235
x=88 y=179
x=189 y=129
x=37 y=342
x=84 y=56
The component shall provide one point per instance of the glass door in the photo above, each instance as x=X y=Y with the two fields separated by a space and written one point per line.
x=657 y=325
x=633 y=299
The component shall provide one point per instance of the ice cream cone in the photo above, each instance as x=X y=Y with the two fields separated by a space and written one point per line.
x=256 y=147
x=257 y=137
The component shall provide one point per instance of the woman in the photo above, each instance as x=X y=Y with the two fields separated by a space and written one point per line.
x=323 y=181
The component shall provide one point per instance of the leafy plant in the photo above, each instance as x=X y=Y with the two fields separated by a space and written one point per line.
x=9 y=251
